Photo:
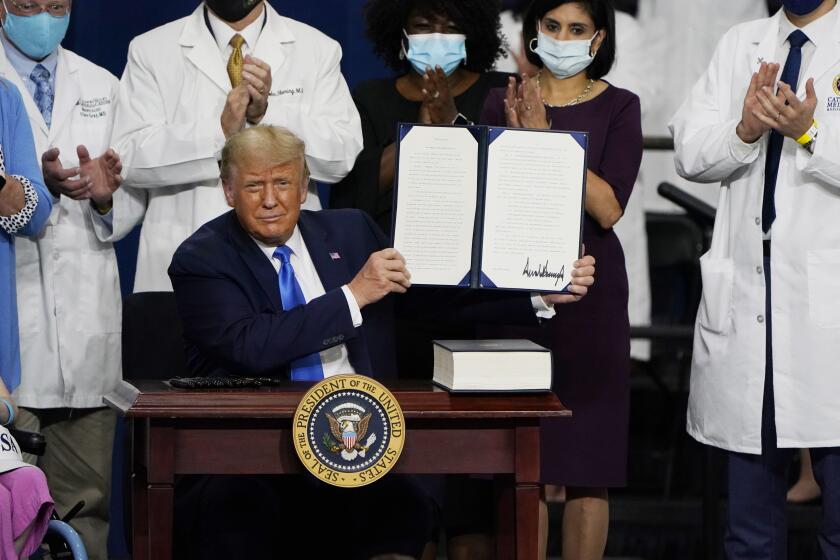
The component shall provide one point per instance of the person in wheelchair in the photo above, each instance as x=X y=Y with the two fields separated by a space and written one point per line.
x=25 y=502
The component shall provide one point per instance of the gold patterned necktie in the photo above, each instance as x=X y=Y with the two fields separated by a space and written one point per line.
x=235 y=62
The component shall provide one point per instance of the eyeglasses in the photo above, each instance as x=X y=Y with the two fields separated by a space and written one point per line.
x=28 y=8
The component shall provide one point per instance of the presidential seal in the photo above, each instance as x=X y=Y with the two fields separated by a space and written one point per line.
x=836 y=84
x=348 y=430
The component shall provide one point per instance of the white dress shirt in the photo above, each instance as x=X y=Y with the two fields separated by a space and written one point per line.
x=334 y=360
x=223 y=33
x=817 y=31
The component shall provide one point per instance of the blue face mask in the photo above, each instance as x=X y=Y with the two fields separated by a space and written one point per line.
x=801 y=7
x=36 y=36
x=563 y=58
x=428 y=50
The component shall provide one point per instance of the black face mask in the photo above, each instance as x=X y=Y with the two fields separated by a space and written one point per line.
x=801 y=7
x=231 y=10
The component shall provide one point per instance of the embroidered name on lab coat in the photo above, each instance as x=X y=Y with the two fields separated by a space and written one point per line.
x=94 y=108
x=291 y=91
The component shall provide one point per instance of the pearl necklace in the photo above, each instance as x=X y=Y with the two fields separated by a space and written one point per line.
x=574 y=101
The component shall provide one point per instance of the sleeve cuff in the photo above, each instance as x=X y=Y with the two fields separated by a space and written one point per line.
x=16 y=222
x=740 y=150
x=355 y=312
x=216 y=136
x=107 y=219
x=541 y=308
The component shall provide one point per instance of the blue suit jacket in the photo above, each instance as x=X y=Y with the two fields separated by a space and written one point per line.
x=233 y=319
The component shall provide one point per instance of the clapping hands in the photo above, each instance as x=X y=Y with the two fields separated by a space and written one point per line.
x=95 y=179
x=782 y=111
x=438 y=105
x=247 y=102
x=524 y=106
x=751 y=128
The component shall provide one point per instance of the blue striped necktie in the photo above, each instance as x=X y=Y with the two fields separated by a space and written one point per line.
x=307 y=368
x=790 y=76
x=44 y=94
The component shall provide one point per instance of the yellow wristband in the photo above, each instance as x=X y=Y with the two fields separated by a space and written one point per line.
x=809 y=135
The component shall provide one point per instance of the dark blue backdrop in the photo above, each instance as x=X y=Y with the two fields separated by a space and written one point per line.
x=100 y=30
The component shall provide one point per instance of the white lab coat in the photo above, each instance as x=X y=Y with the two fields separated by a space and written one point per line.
x=680 y=37
x=632 y=70
x=167 y=127
x=68 y=289
x=727 y=380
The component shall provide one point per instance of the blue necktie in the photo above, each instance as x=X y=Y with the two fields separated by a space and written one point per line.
x=307 y=368
x=790 y=76
x=44 y=94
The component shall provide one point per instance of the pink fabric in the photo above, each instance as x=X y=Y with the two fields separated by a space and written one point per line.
x=24 y=500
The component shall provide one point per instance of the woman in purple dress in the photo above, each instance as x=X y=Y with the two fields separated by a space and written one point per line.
x=572 y=42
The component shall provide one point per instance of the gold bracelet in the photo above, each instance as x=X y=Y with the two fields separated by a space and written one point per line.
x=809 y=135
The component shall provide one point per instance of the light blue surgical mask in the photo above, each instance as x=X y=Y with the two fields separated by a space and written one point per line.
x=36 y=36
x=563 y=58
x=428 y=50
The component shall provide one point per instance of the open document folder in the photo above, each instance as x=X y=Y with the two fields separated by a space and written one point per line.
x=489 y=207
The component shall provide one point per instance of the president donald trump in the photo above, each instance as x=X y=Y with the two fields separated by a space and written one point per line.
x=269 y=290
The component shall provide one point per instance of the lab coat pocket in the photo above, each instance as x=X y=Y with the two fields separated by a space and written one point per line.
x=715 y=313
x=99 y=305
x=824 y=288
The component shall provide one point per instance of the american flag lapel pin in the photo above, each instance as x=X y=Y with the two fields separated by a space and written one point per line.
x=335 y=256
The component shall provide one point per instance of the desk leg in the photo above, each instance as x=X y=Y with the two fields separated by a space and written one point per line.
x=139 y=499
x=140 y=516
x=160 y=491
x=527 y=492
x=505 y=518
x=161 y=504
x=527 y=521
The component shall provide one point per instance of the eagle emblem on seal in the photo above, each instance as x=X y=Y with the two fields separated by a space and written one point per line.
x=837 y=84
x=349 y=425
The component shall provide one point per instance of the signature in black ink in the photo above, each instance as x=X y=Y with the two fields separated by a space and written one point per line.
x=542 y=271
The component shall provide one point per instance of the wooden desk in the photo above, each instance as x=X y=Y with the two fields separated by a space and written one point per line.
x=178 y=432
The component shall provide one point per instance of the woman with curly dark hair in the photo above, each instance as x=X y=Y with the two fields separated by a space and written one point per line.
x=442 y=51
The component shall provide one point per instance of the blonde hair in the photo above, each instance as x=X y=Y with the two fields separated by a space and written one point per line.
x=275 y=142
